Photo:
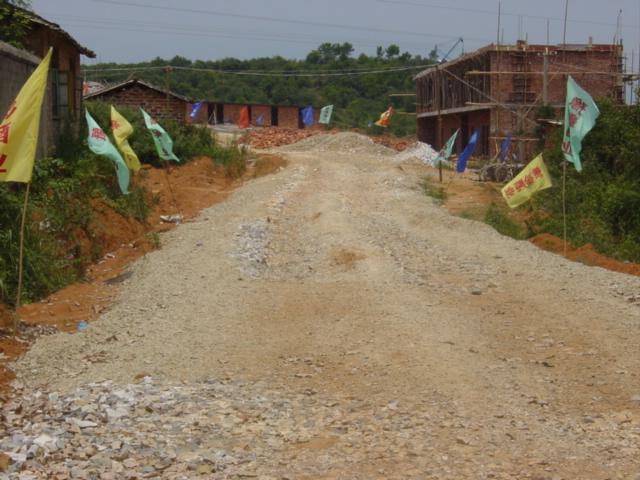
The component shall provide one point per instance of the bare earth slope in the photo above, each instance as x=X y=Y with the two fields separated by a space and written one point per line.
x=330 y=322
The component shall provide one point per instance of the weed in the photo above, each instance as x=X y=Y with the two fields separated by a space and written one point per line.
x=232 y=158
x=154 y=239
x=437 y=192
x=498 y=219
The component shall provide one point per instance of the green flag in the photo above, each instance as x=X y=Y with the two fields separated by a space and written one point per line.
x=445 y=152
x=325 y=114
x=100 y=144
x=161 y=138
x=580 y=116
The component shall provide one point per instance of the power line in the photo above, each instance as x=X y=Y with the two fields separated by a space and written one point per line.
x=199 y=31
x=493 y=13
x=187 y=33
x=300 y=73
x=269 y=19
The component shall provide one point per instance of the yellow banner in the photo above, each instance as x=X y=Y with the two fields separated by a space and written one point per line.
x=122 y=130
x=533 y=178
x=20 y=127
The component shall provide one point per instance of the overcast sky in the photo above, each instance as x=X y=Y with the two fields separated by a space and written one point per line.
x=130 y=31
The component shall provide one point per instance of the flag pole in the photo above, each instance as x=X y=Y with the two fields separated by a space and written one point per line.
x=16 y=320
x=564 y=161
x=173 y=197
x=564 y=207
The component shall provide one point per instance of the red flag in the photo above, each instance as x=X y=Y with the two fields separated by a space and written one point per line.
x=244 y=121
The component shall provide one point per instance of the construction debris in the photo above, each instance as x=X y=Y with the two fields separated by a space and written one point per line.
x=272 y=137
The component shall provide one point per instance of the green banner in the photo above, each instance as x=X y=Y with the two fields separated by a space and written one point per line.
x=164 y=144
x=325 y=114
x=445 y=152
x=580 y=116
x=100 y=144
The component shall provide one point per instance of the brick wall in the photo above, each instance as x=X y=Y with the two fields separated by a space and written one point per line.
x=66 y=60
x=601 y=60
x=288 y=117
x=152 y=101
x=202 y=116
x=264 y=110
x=232 y=112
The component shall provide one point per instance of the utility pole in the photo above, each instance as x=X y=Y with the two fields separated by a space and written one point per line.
x=545 y=77
x=437 y=99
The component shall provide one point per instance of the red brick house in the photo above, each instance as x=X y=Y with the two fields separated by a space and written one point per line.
x=284 y=116
x=159 y=103
x=499 y=89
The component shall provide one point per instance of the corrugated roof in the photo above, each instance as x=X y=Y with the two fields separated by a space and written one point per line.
x=122 y=85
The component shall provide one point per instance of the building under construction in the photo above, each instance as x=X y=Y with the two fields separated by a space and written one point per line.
x=500 y=90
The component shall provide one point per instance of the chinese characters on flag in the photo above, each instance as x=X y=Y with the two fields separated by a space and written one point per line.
x=580 y=117
x=533 y=178
x=20 y=127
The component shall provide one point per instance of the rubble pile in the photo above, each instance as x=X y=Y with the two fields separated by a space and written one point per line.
x=214 y=429
x=272 y=137
x=340 y=143
x=419 y=150
x=397 y=144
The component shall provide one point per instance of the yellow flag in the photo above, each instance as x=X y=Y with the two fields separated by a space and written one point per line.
x=122 y=130
x=533 y=178
x=20 y=127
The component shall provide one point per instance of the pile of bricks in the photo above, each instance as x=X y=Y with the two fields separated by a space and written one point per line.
x=398 y=144
x=271 y=137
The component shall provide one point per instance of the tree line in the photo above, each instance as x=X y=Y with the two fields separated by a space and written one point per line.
x=358 y=98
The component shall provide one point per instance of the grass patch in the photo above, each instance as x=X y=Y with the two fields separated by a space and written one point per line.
x=437 y=192
x=233 y=158
x=154 y=239
x=499 y=219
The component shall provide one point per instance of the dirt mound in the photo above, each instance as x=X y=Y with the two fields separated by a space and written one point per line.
x=343 y=142
x=585 y=254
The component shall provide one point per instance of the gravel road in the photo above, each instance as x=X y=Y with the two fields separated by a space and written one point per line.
x=330 y=322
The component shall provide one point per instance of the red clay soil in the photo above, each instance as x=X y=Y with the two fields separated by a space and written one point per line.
x=185 y=189
x=585 y=254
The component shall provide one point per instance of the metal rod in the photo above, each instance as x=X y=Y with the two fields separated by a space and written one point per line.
x=564 y=32
x=564 y=207
x=545 y=77
x=438 y=101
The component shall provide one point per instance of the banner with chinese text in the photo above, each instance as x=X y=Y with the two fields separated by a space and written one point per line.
x=21 y=125
x=100 y=144
x=533 y=178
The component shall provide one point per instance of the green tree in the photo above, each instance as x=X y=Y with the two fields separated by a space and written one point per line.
x=14 y=22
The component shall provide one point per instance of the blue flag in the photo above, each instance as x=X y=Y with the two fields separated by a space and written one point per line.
x=195 y=110
x=462 y=161
x=505 y=147
x=260 y=120
x=307 y=116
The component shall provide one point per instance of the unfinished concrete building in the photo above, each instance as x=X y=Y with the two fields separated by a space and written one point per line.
x=500 y=89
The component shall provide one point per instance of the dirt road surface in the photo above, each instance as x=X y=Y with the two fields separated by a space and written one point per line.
x=330 y=322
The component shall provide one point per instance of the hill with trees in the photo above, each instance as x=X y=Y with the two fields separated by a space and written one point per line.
x=358 y=87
